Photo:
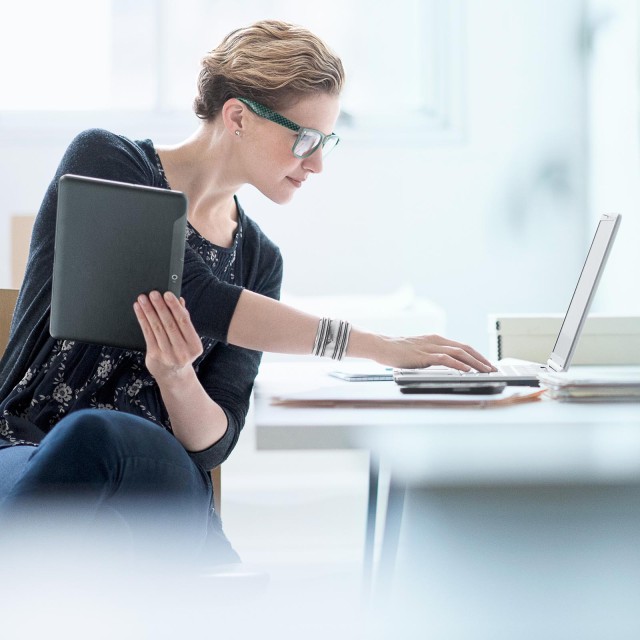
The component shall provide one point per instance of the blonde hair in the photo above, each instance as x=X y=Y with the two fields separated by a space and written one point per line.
x=274 y=63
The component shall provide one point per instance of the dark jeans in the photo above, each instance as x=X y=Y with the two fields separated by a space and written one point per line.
x=113 y=478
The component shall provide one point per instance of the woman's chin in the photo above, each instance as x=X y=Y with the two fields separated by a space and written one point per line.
x=280 y=197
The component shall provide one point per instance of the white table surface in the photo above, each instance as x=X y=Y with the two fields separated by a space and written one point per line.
x=542 y=440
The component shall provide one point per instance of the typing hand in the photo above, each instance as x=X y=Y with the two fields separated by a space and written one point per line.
x=423 y=351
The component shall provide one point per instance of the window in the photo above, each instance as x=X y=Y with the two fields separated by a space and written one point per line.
x=51 y=59
x=404 y=61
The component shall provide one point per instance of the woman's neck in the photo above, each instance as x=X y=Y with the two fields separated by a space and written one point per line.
x=200 y=167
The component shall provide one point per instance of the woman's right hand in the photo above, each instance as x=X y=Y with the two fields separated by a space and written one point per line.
x=417 y=352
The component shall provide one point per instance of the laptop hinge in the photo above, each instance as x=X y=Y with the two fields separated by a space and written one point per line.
x=554 y=366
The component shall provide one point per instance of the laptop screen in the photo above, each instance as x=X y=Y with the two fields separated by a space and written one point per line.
x=583 y=295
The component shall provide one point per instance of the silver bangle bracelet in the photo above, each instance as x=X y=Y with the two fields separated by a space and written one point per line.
x=332 y=339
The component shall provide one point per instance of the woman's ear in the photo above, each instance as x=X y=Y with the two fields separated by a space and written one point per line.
x=233 y=112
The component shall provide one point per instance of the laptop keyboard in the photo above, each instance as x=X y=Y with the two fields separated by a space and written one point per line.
x=521 y=369
x=525 y=370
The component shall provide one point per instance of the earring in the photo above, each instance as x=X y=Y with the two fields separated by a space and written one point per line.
x=237 y=133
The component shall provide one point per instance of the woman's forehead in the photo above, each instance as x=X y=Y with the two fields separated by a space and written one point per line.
x=319 y=111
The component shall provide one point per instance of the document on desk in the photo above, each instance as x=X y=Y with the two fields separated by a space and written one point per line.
x=362 y=372
x=381 y=395
x=593 y=386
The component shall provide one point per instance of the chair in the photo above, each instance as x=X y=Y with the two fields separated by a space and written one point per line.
x=8 y=299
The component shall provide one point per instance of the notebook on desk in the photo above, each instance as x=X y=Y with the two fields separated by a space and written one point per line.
x=527 y=373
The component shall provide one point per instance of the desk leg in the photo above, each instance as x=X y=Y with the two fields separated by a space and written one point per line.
x=370 y=533
x=393 y=521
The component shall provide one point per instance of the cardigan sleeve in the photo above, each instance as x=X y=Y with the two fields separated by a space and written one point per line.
x=229 y=373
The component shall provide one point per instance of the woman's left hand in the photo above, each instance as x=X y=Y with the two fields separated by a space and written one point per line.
x=172 y=341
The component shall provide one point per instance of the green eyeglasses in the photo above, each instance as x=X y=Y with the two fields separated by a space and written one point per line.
x=308 y=140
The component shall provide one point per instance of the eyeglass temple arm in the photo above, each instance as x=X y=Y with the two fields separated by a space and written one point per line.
x=269 y=114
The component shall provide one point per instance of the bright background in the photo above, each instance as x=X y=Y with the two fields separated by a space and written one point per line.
x=481 y=139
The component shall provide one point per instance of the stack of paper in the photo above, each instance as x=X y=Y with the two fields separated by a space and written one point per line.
x=593 y=387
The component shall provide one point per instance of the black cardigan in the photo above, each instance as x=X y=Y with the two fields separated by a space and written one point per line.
x=228 y=374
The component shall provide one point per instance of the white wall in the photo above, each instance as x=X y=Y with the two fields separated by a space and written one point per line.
x=495 y=222
x=476 y=226
x=614 y=142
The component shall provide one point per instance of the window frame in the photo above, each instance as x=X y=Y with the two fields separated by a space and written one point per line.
x=441 y=119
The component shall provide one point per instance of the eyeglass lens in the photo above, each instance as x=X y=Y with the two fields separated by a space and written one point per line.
x=308 y=141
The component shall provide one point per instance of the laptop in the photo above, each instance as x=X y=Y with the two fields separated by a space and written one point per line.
x=560 y=358
x=113 y=242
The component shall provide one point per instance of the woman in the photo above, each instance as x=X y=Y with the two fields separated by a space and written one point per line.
x=180 y=406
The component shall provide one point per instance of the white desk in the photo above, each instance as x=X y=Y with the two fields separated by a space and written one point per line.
x=517 y=465
x=520 y=441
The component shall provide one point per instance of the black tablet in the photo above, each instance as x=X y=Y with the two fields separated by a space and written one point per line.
x=113 y=242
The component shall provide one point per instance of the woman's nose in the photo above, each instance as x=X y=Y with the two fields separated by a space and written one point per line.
x=314 y=162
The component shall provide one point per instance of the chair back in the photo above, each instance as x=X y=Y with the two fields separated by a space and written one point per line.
x=8 y=299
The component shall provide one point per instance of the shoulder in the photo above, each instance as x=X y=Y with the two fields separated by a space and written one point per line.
x=100 y=153
x=92 y=138
x=91 y=141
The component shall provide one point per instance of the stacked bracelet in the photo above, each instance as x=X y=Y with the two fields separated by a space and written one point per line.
x=332 y=339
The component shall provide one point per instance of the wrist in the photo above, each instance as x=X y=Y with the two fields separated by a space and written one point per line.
x=332 y=339
x=176 y=379
x=373 y=346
